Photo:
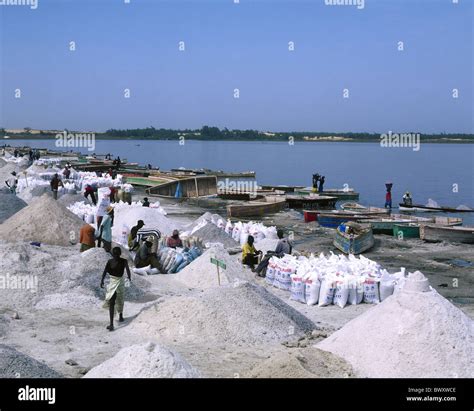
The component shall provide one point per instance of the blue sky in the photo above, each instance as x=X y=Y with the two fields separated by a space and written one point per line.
x=242 y=46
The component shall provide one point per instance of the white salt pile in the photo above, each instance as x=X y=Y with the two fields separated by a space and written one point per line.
x=31 y=193
x=147 y=360
x=301 y=363
x=240 y=314
x=210 y=233
x=14 y=364
x=9 y=205
x=126 y=216
x=45 y=221
x=50 y=277
x=415 y=333
x=202 y=274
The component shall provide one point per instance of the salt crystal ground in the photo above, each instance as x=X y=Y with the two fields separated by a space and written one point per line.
x=184 y=325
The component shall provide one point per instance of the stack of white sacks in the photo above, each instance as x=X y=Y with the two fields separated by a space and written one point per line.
x=239 y=231
x=42 y=172
x=338 y=280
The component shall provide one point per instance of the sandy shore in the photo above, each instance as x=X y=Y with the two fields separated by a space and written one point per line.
x=72 y=340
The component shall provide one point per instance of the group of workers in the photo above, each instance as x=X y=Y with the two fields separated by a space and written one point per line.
x=318 y=182
x=251 y=256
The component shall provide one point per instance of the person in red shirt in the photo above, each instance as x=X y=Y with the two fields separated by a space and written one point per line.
x=89 y=191
x=388 y=199
x=174 y=241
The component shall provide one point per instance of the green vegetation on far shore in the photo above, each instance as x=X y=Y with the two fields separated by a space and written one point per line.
x=217 y=134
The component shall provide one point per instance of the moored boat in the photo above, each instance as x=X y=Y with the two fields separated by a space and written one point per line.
x=267 y=205
x=351 y=206
x=423 y=208
x=456 y=234
x=384 y=225
x=334 y=219
x=353 y=238
x=340 y=194
x=311 y=202
x=408 y=230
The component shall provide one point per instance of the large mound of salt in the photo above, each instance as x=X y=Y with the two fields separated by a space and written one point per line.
x=14 y=364
x=412 y=334
x=56 y=277
x=46 y=221
x=241 y=313
x=202 y=274
x=147 y=360
x=210 y=233
x=9 y=205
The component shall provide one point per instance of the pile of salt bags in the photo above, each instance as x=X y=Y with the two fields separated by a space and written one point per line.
x=333 y=279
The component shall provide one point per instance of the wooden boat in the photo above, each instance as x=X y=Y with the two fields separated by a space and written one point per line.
x=384 y=225
x=286 y=189
x=240 y=196
x=333 y=220
x=190 y=187
x=353 y=238
x=217 y=173
x=340 y=194
x=423 y=208
x=457 y=234
x=350 y=206
x=312 y=215
x=311 y=202
x=409 y=230
x=268 y=205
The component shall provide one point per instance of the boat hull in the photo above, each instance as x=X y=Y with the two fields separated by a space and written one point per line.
x=256 y=208
x=422 y=208
x=432 y=233
x=354 y=244
x=403 y=231
x=311 y=203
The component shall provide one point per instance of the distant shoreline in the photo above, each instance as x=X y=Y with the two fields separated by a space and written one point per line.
x=349 y=140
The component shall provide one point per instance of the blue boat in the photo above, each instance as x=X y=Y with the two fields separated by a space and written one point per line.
x=334 y=219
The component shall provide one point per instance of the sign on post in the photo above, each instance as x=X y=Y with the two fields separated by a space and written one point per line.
x=218 y=263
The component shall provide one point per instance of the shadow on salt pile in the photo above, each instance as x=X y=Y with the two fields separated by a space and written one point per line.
x=241 y=313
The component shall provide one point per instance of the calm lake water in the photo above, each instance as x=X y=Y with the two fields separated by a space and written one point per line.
x=443 y=172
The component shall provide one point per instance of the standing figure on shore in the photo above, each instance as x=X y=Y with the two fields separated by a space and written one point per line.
x=388 y=195
x=321 y=184
x=55 y=184
x=145 y=202
x=105 y=229
x=315 y=181
x=12 y=182
x=114 y=297
x=67 y=172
